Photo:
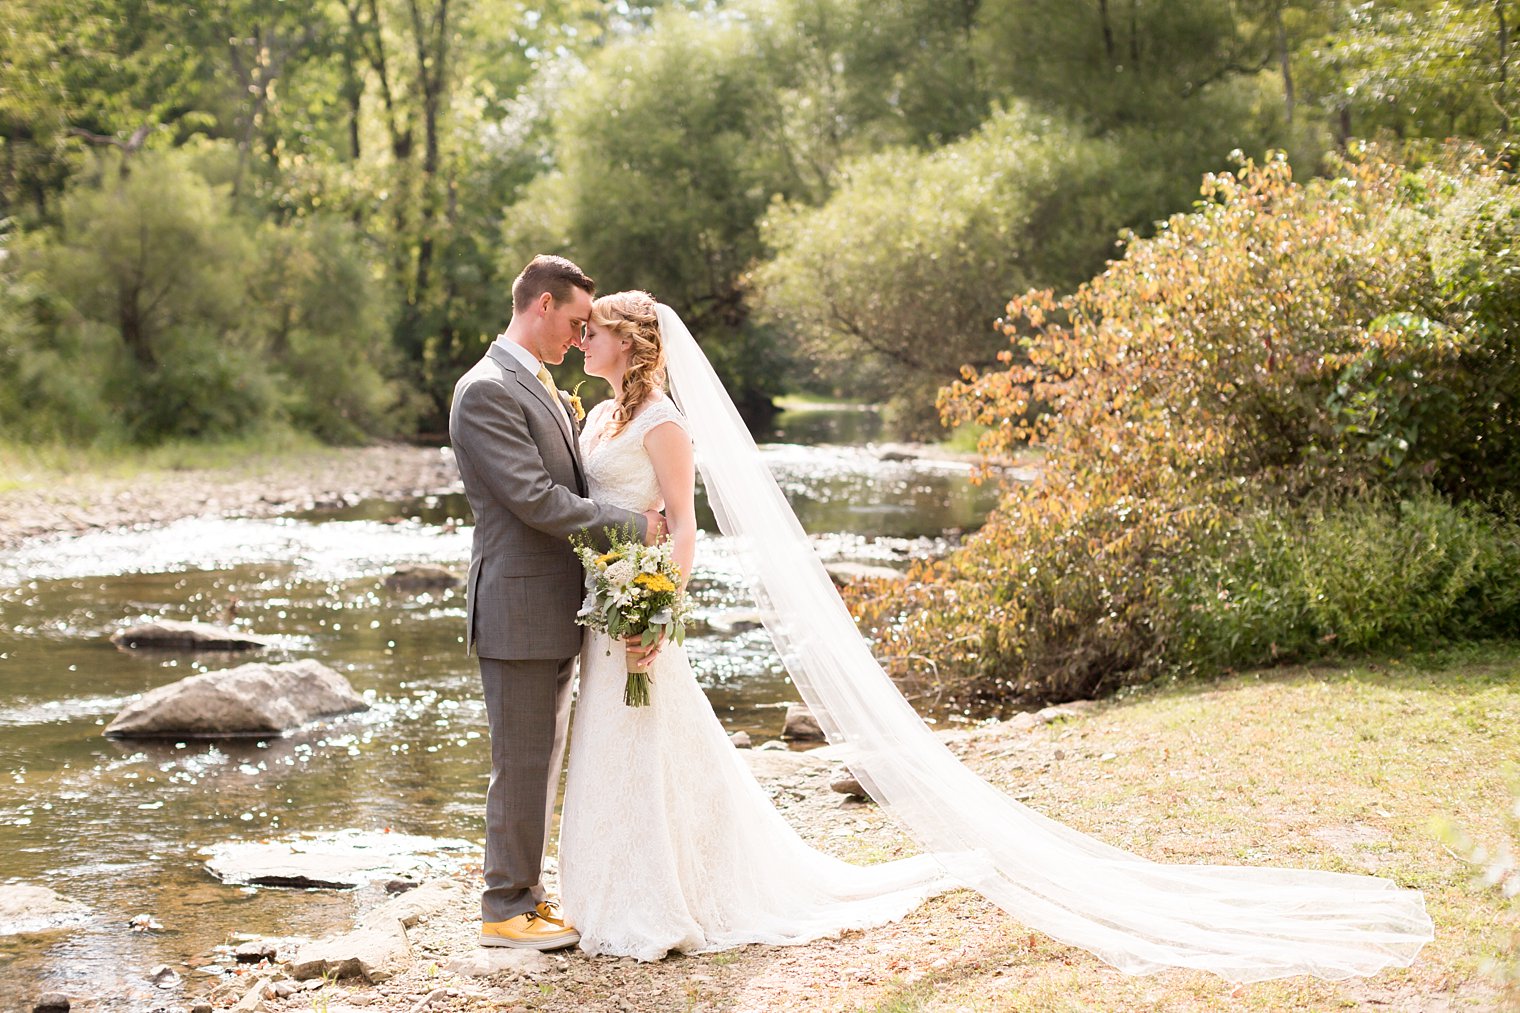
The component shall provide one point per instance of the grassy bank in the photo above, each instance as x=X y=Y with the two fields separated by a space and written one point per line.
x=35 y=466
x=1343 y=767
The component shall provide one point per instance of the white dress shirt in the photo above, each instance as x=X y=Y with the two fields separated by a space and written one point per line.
x=531 y=363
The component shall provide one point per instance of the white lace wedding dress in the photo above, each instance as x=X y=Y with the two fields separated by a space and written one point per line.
x=667 y=842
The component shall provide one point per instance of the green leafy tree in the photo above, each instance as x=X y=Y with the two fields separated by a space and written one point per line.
x=153 y=259
x=886 y=285
x=321 y=323
x=642 y=203
x=1418 y=68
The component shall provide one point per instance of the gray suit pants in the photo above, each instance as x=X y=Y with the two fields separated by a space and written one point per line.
x=528 y=707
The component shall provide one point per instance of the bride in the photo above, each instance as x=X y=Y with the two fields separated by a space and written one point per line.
x=667 y=842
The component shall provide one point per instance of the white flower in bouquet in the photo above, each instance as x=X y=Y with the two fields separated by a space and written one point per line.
x=619 y=574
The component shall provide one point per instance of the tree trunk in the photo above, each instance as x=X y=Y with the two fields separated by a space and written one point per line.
x=353 y=94
x=1134 y=36
x=401 y=138
x=1284 y=61
x=1504 y=117
x=129 y=319
x=1108 y=32
x=432 y=47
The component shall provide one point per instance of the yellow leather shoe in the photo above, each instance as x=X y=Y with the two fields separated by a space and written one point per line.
x=528 y=931
x=549 y=911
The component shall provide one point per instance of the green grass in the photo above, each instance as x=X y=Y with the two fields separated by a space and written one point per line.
x=1348 y=767
x=820 y=402
x=28 y=466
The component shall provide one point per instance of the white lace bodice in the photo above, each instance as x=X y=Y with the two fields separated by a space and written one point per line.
x=618 y=469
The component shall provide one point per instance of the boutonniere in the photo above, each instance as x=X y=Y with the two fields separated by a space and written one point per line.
x=574 y=397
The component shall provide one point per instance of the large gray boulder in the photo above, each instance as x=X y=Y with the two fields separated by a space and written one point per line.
x=25 y=908
x=177 y=635
x=255 y=699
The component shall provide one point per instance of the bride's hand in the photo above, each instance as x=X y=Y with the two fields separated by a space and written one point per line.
x=645 y=655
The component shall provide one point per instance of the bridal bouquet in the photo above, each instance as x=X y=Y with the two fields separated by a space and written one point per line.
x=632 y=590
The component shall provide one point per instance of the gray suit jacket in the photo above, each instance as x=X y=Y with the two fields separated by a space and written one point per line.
x=522 y=474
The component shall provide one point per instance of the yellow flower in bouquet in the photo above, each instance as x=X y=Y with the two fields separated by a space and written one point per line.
x=656 y=582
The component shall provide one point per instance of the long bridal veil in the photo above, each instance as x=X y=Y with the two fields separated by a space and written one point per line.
x=1247 y=924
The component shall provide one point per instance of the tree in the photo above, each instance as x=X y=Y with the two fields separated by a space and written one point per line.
x=660 y=185
x=1418 y=69
x=889 y=285
x=148 y=268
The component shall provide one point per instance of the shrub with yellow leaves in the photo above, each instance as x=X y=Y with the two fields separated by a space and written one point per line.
x=1285 y=351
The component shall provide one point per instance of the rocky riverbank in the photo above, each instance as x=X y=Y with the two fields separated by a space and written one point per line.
x=49 y=506
x=1098 y=767
x=1172 y=775
x=54 y=504
x=418 y=951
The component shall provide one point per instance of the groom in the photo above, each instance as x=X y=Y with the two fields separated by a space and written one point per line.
x=515 y=440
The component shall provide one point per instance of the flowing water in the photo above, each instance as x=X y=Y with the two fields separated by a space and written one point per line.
x=121 y=825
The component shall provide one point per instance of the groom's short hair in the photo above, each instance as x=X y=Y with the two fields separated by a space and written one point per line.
x=548 y=273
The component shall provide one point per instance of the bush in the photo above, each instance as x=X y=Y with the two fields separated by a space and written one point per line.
x=321 y=318
x=1350 y=339
x=1295 y=582
x=143 y=297
x=51 y=379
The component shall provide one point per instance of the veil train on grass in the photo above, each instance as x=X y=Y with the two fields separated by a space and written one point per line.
x=1245 y=924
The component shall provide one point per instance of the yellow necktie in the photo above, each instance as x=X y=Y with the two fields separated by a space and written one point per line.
x=548 y=382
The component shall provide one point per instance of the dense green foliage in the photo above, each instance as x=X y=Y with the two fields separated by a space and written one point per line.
x=894 y=282
x=722 y=154
x=227 y=219
x=152 y=312
x=1257 y=423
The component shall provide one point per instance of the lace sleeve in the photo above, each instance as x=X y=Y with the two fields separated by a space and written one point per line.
x=657 y=412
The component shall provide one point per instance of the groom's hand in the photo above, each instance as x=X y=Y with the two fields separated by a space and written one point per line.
x=655 y=529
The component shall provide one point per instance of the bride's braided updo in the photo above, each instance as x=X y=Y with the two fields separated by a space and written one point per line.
x=631 y=316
